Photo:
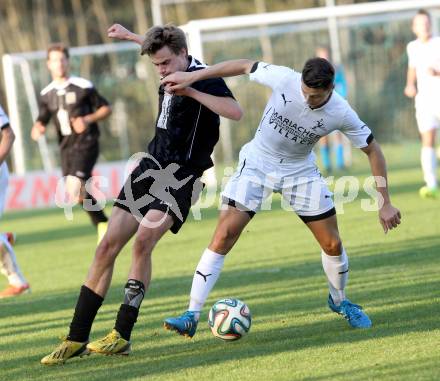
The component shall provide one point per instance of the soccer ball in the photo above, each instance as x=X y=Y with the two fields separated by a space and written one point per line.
x=229 y=319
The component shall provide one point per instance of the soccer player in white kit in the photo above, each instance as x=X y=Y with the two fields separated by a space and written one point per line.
x=424 y=70
x=302 y=109
x=8 y=261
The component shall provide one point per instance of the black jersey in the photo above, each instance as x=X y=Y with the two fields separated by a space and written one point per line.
x=187 y=131
x=74 y=97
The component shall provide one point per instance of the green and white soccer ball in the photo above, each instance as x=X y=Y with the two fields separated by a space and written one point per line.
x=229 y=319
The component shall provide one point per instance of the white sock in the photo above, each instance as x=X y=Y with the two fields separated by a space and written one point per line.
x=16 y=279
x=429 y=166
x=205 y=277
x=8 y=263
x=336 y=269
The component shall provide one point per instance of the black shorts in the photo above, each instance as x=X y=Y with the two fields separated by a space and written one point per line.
x=167 y=189
x=79 y=161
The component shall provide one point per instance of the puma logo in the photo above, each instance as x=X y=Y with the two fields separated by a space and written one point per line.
x=266 y=66
x=285 y=100
x=203 y=275
x=343 y=272
x=319 y=124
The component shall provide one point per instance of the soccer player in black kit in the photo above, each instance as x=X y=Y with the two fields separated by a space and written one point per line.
x=158 y=194
x=75 y=106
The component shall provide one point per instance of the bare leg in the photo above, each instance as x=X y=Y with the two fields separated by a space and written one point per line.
x=153 y=226
x=327 y=234
x=230 y=224
x=122 y=226
x=146 y=238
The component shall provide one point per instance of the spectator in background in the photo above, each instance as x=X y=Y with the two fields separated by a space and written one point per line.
x=324 y=142
x=423 y=84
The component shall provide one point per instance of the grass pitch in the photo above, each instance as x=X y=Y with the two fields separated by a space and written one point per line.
x=275 y=268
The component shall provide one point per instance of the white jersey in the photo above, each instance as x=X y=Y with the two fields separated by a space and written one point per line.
x=289 y=128
x=423 y=56
x=4 y=174
x=4 y=120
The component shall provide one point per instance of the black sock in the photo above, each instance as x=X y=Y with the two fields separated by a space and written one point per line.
x=127 y=316
x=85 y=311
x=96 y=216
x=129 y=310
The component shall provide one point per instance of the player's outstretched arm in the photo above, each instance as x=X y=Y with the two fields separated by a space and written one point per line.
x=120 y=32
x=180 y=80
x=6 y=141
x=224 y=106
x=389 y=216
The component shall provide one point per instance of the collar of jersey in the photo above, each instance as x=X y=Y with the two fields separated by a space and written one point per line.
x=316 y=108
x=60 y=86
x=194 y=63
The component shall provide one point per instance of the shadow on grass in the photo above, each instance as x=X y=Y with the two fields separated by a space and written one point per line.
x=292 y=286
x=408 y=369
x=421 y=252
x=172 y=358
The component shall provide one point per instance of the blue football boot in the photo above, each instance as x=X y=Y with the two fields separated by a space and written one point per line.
x=351 y=312
x=185 y=325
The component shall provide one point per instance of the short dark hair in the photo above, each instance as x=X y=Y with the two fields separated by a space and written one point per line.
x=318 y=73
x=424 y=12
x=58 y=47
x=159 y=36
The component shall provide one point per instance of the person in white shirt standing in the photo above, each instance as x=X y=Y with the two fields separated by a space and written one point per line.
x=423 y=83
x=8 y=261
x=302 y=108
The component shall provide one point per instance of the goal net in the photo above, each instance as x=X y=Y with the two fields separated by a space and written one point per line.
x=367 y=39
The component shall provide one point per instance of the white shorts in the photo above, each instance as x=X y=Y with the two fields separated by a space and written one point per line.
x=427 y=115
x=257 y=177
x=4 y=176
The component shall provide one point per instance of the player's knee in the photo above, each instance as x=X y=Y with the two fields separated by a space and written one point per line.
x=332 y=246
x=144 y=243
x=106 y=251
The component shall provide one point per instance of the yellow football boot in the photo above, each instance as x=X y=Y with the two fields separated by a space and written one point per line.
x=65 y=351
x=112 y=344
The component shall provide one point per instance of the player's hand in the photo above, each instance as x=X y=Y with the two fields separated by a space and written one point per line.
x=119 y=32
x=79 y=124
x=389 y=217
x=410 y=91
x=177 y=80
x=38 y=130
x=181 y=92
x=433 y=72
